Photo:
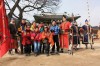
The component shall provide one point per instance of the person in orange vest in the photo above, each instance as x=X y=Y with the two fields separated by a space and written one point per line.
x=64 y=37
x=47 y=39
x=41 y=29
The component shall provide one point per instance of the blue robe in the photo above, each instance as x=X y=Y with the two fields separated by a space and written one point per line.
x=86 y=34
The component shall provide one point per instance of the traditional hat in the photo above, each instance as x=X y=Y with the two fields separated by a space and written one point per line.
x=86 y=20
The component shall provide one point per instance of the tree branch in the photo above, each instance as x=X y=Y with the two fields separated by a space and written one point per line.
x=13 y=9
x=29 y=10
x=15 y=15
x=6 y=3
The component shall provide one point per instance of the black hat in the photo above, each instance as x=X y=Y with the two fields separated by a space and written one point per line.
x=65 y=16
x=86 y=20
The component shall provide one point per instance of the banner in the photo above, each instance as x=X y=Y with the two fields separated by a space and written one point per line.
x=4 y=30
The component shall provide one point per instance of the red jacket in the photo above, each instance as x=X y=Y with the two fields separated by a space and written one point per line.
x=26 y=38
x=36 y=36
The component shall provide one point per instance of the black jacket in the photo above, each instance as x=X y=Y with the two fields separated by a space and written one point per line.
x=12 y=29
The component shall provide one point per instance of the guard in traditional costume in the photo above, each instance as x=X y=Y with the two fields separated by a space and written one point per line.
x=64 y=37
x=86 y=34
x=75 y=35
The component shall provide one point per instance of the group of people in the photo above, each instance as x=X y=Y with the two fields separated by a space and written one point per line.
x=48 y=39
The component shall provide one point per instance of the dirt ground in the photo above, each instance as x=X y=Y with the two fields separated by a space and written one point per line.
x=82 y=57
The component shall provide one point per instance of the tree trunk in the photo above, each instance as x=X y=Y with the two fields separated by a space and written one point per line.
x=19 y=19
x=13 y=9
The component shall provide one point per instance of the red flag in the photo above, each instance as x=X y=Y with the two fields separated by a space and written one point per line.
x=4 y=31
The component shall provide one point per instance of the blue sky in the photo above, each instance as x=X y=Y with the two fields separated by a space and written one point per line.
x=80 y=7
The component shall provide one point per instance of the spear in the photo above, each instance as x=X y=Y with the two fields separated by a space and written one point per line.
x=72 y=34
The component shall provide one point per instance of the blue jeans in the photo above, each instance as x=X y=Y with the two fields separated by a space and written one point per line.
x=36 y=46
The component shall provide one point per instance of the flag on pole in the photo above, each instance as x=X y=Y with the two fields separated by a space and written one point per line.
x=4 y=31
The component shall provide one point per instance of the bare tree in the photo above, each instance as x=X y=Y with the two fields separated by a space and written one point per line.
x=26 y=6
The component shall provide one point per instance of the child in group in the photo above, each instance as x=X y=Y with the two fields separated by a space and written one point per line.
x=36 y=37
x=41 y=29
x=47 y=39
x=27 y=41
